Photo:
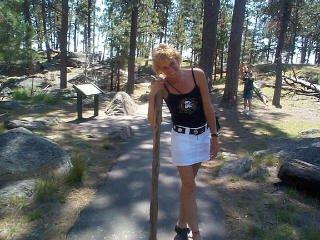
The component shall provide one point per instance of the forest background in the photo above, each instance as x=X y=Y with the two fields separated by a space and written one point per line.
x=212 y=34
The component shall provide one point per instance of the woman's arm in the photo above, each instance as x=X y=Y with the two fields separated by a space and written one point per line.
x=206 y=101
x=208 y=110
x=156 y=87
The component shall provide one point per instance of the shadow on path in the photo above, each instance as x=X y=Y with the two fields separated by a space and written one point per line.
x=120 y=210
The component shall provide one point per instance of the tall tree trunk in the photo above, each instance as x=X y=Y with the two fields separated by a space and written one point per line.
x=27 y=19
x=69 y=27
x=269 y=48
x=166 y=25
x=229 y=98
x=221 y=60
x=85 y=39
x=63 y=44
x=252 y=57
x=317 y=58
x=310 y=48
x=133 y=45
x=44 y=22
x=89 y=27
x=244 y=41
x=94 y=25
x=293 y=40
x=285 y=16
x=304 y=49
x=75 y=34
x=36 y=21
x=209 y=32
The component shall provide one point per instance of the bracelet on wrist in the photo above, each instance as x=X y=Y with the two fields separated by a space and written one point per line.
x=214 y=135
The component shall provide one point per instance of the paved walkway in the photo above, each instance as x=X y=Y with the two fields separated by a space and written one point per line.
x=120 y=210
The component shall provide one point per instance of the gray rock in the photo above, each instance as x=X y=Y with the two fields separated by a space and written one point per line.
x=228 y=156
x=11 y=105
x=31 y=125
x=121 y=133
x=5 y=92
x=310 y=131
x=24 y=155
x=257 y=173
x=22 y=188
x=32 y=82
x=144 y=98
x=316 y=144
x=260 y=153
x=121 y=104
x=235 y=167
x=66 y=93
x=20 y=130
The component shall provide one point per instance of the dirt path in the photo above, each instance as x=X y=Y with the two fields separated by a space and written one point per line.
x=120 y=209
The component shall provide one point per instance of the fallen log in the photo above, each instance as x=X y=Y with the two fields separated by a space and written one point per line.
x=300 y=174
x=304 y=83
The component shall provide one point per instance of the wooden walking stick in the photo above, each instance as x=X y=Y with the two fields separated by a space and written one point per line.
x=155 y=168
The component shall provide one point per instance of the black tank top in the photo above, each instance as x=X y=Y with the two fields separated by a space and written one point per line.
x=186 y=109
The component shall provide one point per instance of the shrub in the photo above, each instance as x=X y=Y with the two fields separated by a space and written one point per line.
x=34 y=215
x=21 y=94
x=44 y=98
x=77 y=171
x=46 y=189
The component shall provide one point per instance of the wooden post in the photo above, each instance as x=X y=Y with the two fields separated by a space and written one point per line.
x=79 y=104
x=155 y=169
x=96 y=105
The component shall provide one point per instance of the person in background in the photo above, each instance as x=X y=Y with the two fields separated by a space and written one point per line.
x=193 y=134
x=247 y=91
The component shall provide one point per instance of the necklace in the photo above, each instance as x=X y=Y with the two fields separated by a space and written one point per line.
x=174 y=87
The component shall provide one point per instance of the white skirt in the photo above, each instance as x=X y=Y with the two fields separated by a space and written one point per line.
x=188 y=149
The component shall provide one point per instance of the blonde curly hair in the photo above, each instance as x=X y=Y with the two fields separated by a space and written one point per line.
x=162 y=55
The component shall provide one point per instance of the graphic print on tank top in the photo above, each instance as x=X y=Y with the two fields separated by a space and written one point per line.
x=188 y=105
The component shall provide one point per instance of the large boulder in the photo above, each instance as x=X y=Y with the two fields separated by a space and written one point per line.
x=235 y=167
x=24 y=155
x=22 y=188
x=31 y=125
x=121 y=104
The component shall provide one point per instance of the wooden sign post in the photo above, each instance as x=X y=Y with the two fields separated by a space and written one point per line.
x=85 y=90
x=155 y=168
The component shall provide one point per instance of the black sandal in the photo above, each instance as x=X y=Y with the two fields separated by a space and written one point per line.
x=182 y=233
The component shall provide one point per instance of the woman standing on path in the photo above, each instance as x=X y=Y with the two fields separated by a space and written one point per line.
x=193 y=134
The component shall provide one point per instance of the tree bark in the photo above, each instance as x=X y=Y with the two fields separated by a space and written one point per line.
x=244 y=41
x=44 y=22
x=229 y=98
x=293 y=41
x=208 y=49
x=301 y=174
x=268 y=50
x=133 y=46
x=317 y=58
x=285 y=16
x=63 y=44
x=27 y=19
x=89 y=27
x=304 y=49
x=252 y=54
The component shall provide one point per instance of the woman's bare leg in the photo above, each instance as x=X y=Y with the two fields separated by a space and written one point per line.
x=188 y=206
x=182 y=221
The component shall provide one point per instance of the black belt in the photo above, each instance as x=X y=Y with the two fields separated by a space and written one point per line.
x=192 y=131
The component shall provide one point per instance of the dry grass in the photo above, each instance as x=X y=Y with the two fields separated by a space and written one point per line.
x=257 y=209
